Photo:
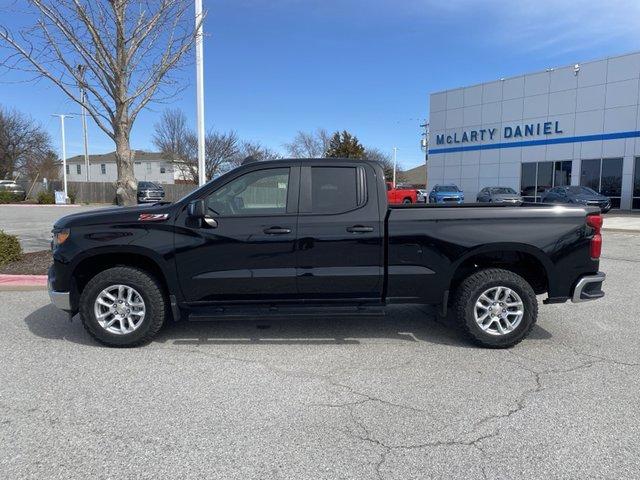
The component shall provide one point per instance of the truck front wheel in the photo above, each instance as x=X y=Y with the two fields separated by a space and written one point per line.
x=122 y=307
x=496 y=308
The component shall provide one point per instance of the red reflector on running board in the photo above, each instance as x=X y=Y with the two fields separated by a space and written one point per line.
x=153 y=217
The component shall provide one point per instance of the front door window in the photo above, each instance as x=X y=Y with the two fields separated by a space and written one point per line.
x=261 y=192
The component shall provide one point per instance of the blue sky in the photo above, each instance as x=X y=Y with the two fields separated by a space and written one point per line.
x=273 y=67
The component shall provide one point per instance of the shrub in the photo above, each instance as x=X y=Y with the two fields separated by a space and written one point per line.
x=72 y=196
x=10 y=249
x=8 y=197
x=46 y=198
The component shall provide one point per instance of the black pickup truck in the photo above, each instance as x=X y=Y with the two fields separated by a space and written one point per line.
x=316 y=237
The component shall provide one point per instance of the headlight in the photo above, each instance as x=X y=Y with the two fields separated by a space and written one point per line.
x=60 y=236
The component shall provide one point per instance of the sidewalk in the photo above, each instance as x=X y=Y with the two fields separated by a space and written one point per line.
x=622 y=222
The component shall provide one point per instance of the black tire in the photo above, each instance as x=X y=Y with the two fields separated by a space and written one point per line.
x=148 y=288
x=471 y=289
x=406 y=201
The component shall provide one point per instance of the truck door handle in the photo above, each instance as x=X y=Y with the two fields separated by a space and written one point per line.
x=277 y=231
x=359 y=229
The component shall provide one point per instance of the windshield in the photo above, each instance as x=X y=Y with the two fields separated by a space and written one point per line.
x=147 y=185
x=446 y=188
x=581 y=191
x=503 y=191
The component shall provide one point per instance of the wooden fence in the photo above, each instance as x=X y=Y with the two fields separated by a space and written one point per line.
x=101 y=192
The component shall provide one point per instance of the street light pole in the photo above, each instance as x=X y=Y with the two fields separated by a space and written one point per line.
x=200 y=93
x=81 y=70
x=395 y=164
x=64 y=152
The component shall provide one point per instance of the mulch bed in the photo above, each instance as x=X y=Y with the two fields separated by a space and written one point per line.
x=34 y=263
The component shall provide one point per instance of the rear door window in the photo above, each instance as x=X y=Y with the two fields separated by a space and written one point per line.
x=333 y=189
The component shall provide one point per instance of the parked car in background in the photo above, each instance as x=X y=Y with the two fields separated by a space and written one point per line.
x=577 y=195
x=423 y=195
x=446 y=194
x=398 y=194
x=499 y=195
x=10 y=186
x=149 y=192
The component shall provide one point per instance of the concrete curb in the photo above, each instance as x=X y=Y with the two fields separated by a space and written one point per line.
x=22 y=282
x=620 y=230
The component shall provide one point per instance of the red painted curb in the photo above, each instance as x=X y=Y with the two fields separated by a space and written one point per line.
x=23 y=280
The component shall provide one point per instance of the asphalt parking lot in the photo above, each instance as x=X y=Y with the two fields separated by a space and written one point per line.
x=399 y=397
x=32 y=224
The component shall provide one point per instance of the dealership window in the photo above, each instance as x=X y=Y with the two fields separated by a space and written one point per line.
x=103 y=169
x=538 y=177
x=78 y=169
x=636 y=184
x=604 y=175
x=163 y=170
x=67 y=168
x=148 y=167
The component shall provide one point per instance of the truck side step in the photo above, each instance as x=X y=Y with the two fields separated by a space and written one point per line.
x=279 y=311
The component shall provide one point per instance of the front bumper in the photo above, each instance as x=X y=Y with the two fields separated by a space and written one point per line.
x=588 y=288
x=61 y=300
x=449 y=200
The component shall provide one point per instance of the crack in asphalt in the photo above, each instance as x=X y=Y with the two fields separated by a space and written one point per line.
x=462 y=439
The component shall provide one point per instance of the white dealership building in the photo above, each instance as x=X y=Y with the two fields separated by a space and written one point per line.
x=574 y=125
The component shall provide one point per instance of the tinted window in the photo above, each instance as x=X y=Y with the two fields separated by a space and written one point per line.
x=333 y=189
x=581 y=191
x=590 y=174
x=504 y=191
x=545 y=177
x=262 y=192
x=611 y=180
x=528 y=181
x=145 y=185
x=562 y=173
x=446 y=188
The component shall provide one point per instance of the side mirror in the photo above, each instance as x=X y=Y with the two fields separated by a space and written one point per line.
x=196 y=209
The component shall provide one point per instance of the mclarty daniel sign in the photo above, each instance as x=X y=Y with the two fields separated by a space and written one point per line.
x=508 y=132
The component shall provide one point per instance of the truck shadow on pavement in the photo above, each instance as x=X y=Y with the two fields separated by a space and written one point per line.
x=404 y=324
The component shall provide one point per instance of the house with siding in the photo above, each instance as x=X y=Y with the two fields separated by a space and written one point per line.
x=148 y=166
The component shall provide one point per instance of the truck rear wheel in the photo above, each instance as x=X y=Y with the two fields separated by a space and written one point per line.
x=406 y=201
x=496 y=308
x=122 y=307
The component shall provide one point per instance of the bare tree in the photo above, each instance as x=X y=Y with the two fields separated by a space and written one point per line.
x=255 y=150
x=177 y=142
x=309 y=144
x=120 y=52
x=220 y=150
x=384 y=159
x=22 y=142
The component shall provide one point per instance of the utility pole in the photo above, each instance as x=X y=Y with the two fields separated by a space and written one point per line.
x=62 y=116
x=81 y=70
x=395 y=164
x=200 y=93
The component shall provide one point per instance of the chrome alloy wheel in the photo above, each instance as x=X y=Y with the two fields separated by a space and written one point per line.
x=498 y=311
x=119 y=309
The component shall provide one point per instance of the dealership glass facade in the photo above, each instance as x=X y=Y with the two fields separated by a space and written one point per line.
x=538 y=177
x=636 y=184
x=573 y=125
x=604 y=176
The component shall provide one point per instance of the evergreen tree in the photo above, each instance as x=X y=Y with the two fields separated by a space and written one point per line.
x=345 y=145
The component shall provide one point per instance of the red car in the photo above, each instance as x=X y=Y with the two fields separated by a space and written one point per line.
x=401 y=195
